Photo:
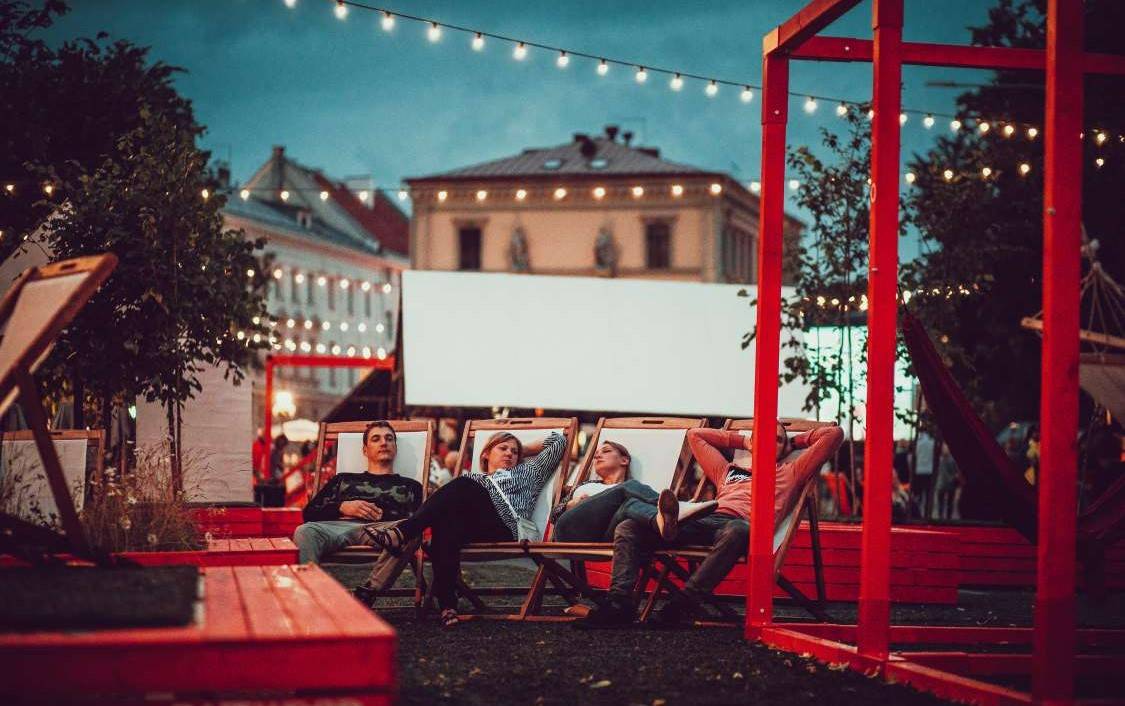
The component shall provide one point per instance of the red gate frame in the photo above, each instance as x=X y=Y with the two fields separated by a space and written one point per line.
x=313 y=361
x=1055 y=638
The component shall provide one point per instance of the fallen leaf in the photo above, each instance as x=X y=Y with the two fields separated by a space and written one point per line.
x=600 y=684
x=736 y=675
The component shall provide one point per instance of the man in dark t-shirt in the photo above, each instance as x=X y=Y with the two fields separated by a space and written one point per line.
x=336 y=516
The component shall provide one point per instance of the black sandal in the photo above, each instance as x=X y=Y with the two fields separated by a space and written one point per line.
x=449 y=618
x=389 y=538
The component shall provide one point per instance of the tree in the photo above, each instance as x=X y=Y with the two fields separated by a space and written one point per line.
x=128 y=178
x=984 y=235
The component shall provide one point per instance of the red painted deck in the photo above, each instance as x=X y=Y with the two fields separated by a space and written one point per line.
x=999 y=557
x=237 y=522
x=260 y=631
x=253 y=551
x=924 y=565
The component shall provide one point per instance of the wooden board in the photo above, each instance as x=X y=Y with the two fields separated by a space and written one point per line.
x=256 y=551
x=259 y=629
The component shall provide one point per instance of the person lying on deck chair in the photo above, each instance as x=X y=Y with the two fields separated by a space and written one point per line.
x=494 y=504
x=335 y=518
x=727 y=529
x=592 y=510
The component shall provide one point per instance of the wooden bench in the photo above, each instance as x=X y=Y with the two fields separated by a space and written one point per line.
x=260 y=631
x=253 y=551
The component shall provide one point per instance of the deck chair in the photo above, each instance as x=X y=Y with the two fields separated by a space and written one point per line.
x=660 y=460
x=37 y=307
x=784 y=531
x=80 y=453
x=477 y=433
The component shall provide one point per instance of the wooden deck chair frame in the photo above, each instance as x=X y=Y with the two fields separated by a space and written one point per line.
x=19 y=360
x=330 y=431
x=495 y=551
x=669 y=559
x=571 y=583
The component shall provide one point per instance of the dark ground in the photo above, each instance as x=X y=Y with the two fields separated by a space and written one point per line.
x=501 y=662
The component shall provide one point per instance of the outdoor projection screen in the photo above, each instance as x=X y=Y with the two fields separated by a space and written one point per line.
x=578 y=343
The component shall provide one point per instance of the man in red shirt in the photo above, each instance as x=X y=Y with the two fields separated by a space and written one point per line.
x=727 y=529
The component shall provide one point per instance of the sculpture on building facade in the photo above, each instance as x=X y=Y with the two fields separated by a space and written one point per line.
x=518 y=255
x=605 y=253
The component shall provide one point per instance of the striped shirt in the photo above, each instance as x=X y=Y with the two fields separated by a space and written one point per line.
x=522 y=483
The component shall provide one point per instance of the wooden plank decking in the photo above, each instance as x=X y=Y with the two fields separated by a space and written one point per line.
x=259 y=630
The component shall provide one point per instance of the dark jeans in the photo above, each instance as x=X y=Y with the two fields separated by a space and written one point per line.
x=458 y=513
x=595 y=519
x=635 y=541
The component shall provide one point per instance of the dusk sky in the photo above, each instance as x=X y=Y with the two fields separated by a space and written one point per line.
x=354 y=100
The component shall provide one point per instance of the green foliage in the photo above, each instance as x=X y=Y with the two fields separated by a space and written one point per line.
x=107 y=128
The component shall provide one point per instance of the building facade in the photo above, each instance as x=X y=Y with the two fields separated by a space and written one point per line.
x=336 y=253
x=595 y=206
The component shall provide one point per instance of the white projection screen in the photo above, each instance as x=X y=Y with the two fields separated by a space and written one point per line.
x=578 y=343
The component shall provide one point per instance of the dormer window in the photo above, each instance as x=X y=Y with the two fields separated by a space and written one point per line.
x=599 y=163
x=552 y=164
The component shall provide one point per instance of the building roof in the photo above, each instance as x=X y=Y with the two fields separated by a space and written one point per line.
x=383 y=217
x=284 y=216
x=583 y=155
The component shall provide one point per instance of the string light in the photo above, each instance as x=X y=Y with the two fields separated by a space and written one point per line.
x=206 y=194
x=712 y=89
x=245 y=194
x=986 y=172
x=402 y=194
x=641 y=76
x=277 y=273
x=955 y=125
x=291 y=4
x=1032 y=133
x=794 y=184
x=638 y=191
x=366 y=286
x=324 y=196
x=984 y=127
x=387 y=288
x=321 y=281
x=250 y=274
x=810 y=105
x=676 y=83
x=599 y=192
x=442 y=196
x=363 y=196
x=290 y=323
x=1025 y=169
x=434 y=32
x=344 y=326
x=870 y=113
x=388 y=21
x=482 y=195
x=299 y=278
x=324 y=326
x=1100 y=162
x=48 y=189
x=563 y=61
x=603 y=68
x=928 y=122
x=910 y=178
x=284 y=195
x=521 y=194
x=362 y=327
x=755 y=187
x=1100 y=138
x=9 y=188
x=308 y=324
x=677 y=190
x=716 y=189
x=560 y=194
x=478 y=42
x=381 y=353
x=842 y=110
x=1009 y=130
x=345 y=283
x=747 y=95
x=379 y=328
x=948 y=174
x=902 y=118
x=520 y=52
x=341 y=10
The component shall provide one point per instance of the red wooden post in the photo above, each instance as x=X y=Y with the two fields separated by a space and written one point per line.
x=771 y=221
x=1054 y=645
x=875 y=576
x=267 y=425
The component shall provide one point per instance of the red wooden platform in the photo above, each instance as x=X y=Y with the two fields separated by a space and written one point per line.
x=260 y=633
x=999 y=557
x=254 y=551
x=237 y=522
x=924 y=565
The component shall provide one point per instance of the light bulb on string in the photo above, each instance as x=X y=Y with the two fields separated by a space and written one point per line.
x=521 y=194
x=363 y=195
x=716 y=189
x=563 y=61
x=641 y=76
x=841 y=110
x=560 y=194
x=482 y=195
x=910 y=177
x=10 y=188
x=984 y=127
x=638 y=191
x=291 y=4
x=1025 y=169
x=434 y=32
x=402 y=194
x=677 y=190
x=676 y=83
x=1099 y=162
x=388 y=21
x=755 y=187
x=284 y=195
x=870 y=113
x=341 y=10
x=1009 y=130
x=986 y=172
x=1100 y=138
x=712 y=89
x=747 y=95
x=1032 y=133
x=794 y=184
x=478 y=42
x=206 y=194
x=603 y=68
x=599 y=192
x=902 y=118
x=955 y=125
x=442 y=196
x=324 y=196
x=948 y=174
x=928 y=122
x=244 y=194
x=810 y=105
x=48 y=189
x=520 y=52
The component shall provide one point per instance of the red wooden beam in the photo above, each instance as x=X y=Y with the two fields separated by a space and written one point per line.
x=771 y=224
x=952 y=55
x=1093 y=638
x=1007 y=663
x=953 y=686
x=1054 y=646
x=812 y=18
x=882 y=292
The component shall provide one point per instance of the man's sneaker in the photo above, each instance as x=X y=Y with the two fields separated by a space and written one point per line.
x=667 y=515
x=365 y=595
x=615 y=613
x=675 y=613
x=694 y=511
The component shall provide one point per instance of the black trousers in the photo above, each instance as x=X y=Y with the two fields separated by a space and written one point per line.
x=458 y=513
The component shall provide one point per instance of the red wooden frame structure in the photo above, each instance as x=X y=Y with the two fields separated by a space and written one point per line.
x=313 y=361
x=1053 y=664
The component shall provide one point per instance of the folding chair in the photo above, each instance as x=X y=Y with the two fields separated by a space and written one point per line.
x=660 y=458
x=342 y=442
x=477 y=433
x=784 y=531
x=38 y=306
x=81 y=456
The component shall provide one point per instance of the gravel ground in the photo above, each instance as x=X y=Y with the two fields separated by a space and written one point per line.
x=500 y=662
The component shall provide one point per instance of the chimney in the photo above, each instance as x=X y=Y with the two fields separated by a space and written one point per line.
x=588 y=148
x=611 y=132
x=627 y=137
x=222 y=174
x=278 y=159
